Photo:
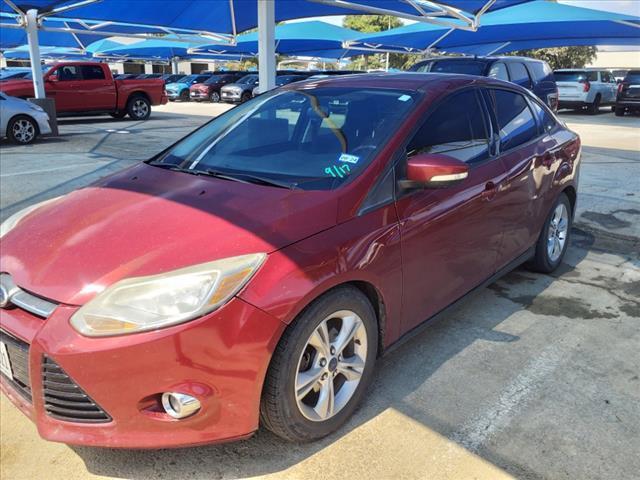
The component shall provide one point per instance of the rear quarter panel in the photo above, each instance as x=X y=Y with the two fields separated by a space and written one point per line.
x=153 y=88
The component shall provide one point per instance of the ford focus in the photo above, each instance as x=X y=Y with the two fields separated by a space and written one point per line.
x=252 y=273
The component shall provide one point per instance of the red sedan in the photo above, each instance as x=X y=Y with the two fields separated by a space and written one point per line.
x=254 y=271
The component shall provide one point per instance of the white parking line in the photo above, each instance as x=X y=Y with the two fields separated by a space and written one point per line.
x=474 y=434
x=45 y=170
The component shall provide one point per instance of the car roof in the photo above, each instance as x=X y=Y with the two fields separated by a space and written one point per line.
x=486 y=58
x=401 y=80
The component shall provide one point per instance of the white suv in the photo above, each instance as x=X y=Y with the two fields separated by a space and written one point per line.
x=590 y=88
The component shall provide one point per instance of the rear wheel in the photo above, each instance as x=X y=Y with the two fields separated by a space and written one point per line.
x=184 y=96
x=321 y=367
x=619 y=111
x=594 y=108
x=138 y=108
x=22 y=130
x=215 y=97
x=554 y=238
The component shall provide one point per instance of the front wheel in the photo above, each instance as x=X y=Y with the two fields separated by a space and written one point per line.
x=554 y=238
x=138 y=108
x=215 y=97
x=321 y=367
x=22 y=130
x=246 y=96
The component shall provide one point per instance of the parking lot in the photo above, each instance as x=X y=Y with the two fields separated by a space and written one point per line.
x=534 y=377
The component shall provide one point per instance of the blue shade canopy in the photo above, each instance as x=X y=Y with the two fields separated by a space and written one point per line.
x=22 y=53
x=291 y=39
x=532 y=22
x=223 y=16
x=505 y=47
x=162 y=49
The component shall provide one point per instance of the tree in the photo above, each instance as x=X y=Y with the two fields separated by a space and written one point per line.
x=372 y=24
x=562 y=57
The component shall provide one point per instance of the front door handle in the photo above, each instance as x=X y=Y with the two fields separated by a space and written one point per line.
x=489 y=192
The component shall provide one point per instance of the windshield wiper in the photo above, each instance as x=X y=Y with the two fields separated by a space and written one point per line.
x=249 y=178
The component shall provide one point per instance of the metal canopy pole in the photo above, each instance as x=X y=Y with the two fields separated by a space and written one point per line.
x=31 y=20
x=174 y=65
x=266 y=45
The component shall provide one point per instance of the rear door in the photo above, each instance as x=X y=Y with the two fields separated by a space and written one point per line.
x=450 y=236
x=528 y=156
x=520 y=75
x=96 y=89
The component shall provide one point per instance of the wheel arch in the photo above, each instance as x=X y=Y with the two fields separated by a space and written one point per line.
x=138 y=93
x=570 y=192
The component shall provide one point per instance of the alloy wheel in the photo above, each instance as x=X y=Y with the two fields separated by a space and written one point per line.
x=140 y=108
x=23 y=131
x=558 y=230
x=331 y=366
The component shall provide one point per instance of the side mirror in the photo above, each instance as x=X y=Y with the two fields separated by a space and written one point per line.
x=432 y=170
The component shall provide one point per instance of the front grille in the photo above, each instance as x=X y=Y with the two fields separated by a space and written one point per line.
x=18 y=352
x=65 y=400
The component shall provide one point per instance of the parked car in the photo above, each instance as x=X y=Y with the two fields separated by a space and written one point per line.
x=618 y=73
x=585 y=88
x=628 y=97
x=127 y=76
x=179 y=90
x=532 y=74
x=282 y=80
x=172 y=77
x=210 y=88
x=254 y=271
x=14 y=74
x=240 y=91
x=21 y=121
x=89 y=87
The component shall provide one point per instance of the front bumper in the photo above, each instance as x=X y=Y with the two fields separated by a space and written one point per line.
x=232 y=97
x=43 y=122
x=198 y=95
x=221 y=359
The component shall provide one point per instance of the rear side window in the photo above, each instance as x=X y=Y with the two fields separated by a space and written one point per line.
x=540 y=70
x=92 y=72
x=455 y=128
x=545 y=119
x=515 y=120
x=519 y=74
x=499 y=71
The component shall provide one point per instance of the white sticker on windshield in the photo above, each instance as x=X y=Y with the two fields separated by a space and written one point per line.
x=404 y=98
x=345 y=157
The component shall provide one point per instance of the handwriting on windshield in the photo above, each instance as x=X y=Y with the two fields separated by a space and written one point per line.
x=338 y=170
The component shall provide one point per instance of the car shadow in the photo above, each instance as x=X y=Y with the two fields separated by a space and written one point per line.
x=399 y=377
x=155 y=116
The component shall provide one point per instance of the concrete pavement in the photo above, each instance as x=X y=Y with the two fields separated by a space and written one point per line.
x=534 y=377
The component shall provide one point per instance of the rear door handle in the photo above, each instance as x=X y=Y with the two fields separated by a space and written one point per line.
x=489 y=192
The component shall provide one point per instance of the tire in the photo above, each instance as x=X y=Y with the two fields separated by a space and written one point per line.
x=619 y=111
x=22 y=130
x=138 y=107
x=613 y=108
x=184 y=96
x=118 y=115
x=544 y=261
x=215 y=97
x=246 y=96
x=296 y=418
x=594 y=108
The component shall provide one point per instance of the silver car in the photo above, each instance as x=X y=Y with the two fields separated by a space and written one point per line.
x=22 y=121
x=585 y=88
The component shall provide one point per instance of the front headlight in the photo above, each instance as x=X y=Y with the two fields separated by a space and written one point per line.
x=149 y=303
x=14 y=219
x=35 y=107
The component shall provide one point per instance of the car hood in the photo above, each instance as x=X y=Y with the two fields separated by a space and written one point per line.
x=176 y=86
x=147 y=220
x=8 y=85
x=237 y=86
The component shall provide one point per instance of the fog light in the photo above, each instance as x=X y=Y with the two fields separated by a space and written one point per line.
x=179 y=405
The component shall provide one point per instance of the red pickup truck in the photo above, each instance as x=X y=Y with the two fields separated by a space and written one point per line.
x=89 y=87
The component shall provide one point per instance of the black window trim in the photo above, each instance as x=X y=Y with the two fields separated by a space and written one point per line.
x=494 y=118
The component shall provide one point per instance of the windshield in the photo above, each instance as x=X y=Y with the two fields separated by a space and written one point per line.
x=187 y=79
x=633 y=77
x=285 y=79
x=213 y=79
x=469 y=67
x=314 y=139
x=248 y=79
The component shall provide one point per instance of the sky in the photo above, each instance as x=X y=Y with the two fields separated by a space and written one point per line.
x=629 y=7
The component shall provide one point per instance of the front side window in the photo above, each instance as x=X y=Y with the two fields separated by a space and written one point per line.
x=92 y=72
x=515 y=120
x=499 y=71
x=308 y=138
x=455 y=128
x=67 y=73
x=519 y=74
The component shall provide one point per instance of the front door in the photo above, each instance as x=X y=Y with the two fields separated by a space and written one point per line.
x=450 y=236
x=62 y=85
